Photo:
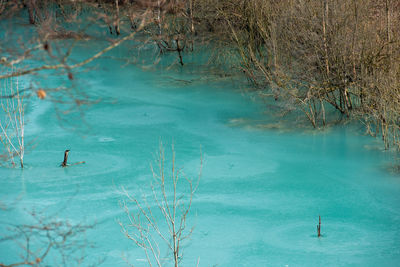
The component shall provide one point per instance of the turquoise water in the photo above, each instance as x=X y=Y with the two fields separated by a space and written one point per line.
x=263 y=185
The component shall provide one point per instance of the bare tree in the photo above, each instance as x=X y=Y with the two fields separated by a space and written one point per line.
x=322 y=58
x=12 y=122
x=161 y=220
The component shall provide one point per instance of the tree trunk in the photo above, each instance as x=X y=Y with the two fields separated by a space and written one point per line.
x=31 y=10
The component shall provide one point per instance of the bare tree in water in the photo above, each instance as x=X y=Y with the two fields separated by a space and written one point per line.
x=12 y=123
x=323 y=58
x=158 y=224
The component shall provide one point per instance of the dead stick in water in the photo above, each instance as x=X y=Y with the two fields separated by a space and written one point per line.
x=64 y=163
x=319 y=227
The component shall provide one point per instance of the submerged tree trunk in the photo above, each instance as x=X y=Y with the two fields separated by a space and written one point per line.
x=179 y=49
x=116 y=23
x=31 y=9
x=65 y=162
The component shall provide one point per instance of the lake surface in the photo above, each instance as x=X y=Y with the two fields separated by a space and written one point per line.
x=262 y=188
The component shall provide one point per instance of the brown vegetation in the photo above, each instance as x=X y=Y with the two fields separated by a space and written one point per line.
x=319 y=54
